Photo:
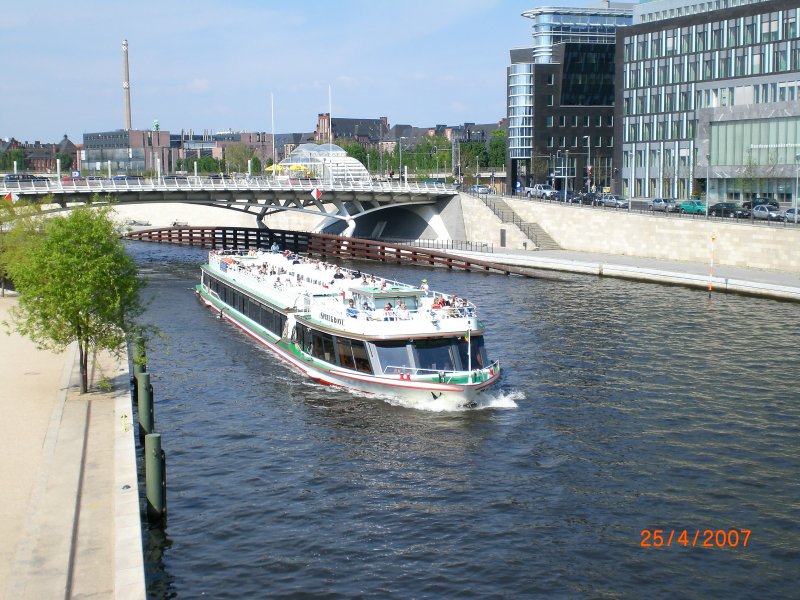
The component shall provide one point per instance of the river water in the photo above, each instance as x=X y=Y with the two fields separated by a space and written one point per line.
x=624 y=408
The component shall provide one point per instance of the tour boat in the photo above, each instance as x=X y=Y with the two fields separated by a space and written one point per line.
x=345 y=328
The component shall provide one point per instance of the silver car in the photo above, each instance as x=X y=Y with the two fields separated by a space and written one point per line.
x=613 y=200
x=765 y=212
x=664 y=205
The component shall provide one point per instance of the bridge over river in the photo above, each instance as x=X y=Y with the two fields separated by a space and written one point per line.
x=257 y=196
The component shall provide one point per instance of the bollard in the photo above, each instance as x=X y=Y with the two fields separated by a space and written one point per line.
x=139 y=360
x=155 y=478
x=145 y=404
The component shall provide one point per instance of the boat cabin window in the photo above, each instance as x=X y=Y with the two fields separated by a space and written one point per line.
x=322 y=346
x=377 y=302
x=350 y=354
x=474 y=347
x=353 y=355
x=437 y=354
x=393 y=356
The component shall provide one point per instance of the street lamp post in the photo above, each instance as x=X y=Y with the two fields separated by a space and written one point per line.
x=708 y=165
x=588 y=139
x=400 y=169
x=796 y=184
x=400 y=174
x=566 y=174
x=557 y=174
x=708 y=182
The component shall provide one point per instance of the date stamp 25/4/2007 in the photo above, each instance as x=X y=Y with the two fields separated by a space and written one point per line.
x=697 y=538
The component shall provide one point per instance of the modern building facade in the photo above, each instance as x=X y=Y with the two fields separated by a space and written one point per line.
x=707 y=99
x=560 y=98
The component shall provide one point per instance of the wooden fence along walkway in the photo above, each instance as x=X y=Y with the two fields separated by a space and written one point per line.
x=323 y=245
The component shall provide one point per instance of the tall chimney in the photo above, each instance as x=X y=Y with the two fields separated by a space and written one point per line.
x=126 y=86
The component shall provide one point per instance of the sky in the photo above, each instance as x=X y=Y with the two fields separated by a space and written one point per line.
x=214 y=65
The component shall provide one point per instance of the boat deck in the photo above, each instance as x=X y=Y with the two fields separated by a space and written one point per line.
x=344 y=299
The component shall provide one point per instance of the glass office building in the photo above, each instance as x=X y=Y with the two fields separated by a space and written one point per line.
x=707 y=99
x=560 y=98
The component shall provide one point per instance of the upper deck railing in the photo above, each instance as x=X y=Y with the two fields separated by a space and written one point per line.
x=172 y=183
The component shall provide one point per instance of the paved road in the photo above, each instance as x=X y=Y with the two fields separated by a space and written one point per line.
x=70 y=527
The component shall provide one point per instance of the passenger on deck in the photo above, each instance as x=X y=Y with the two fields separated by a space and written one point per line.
x=402 y=311
x=338 y=274
x=275 y=248
x=437 y=303
x=424 y=286
x=351 y=309
x=388 y=312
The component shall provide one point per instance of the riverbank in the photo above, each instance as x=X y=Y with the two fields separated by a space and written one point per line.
x=70 y=489
x=722 y=278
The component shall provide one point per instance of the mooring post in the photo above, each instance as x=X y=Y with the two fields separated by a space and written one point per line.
x=144 y=404
x=139 y=356
x=155 y=478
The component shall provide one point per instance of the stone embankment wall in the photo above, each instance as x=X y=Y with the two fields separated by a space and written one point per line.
x=582 y=229
x=482 y=225
x=673 y=237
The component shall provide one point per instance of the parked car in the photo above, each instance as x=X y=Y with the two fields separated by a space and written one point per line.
x=728 y=209
x=479 y=189
x=590 y=198
x=540 y=190
x=613 y=200
x=693 y=207
x=664 y=205
x=562 y=196
x=790 y=213
x=766 y=212
x=22 y=178
x=749 y=204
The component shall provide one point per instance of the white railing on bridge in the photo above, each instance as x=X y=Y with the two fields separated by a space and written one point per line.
x=189 y=183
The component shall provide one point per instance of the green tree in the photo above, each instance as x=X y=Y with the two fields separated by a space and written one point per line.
x=76 y=283
x=355 y=150
x=66 y=161
x=7 y=159
x=237 y=155
x=497 y=148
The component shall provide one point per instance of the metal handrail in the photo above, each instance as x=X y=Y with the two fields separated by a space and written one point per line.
x=442 y=244
x=169 y=183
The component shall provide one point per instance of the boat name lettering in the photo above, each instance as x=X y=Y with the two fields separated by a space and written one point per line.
x=332 y=319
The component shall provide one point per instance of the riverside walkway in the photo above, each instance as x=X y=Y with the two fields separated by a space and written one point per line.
x=781 y=285
x=70 y=492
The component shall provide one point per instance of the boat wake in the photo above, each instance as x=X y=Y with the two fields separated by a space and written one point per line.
x=493 y=399
x=500 y=399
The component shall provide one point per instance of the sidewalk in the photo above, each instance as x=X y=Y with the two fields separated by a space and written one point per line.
x=70 y=490
x=754 y=282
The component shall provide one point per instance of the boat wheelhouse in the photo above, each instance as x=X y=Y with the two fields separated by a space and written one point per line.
x=346 y=328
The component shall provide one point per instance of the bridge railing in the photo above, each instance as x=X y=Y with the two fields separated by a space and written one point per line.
x=186 y=183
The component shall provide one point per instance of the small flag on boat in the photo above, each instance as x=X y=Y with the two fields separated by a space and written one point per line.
x=9 y=197
x=316 y=194
x=466 y=337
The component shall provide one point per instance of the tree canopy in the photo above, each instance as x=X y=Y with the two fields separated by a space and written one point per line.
x=7 y=159
x=237 y=155
x=76 y=283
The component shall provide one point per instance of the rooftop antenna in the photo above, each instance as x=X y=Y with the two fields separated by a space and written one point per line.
x=126 y=86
